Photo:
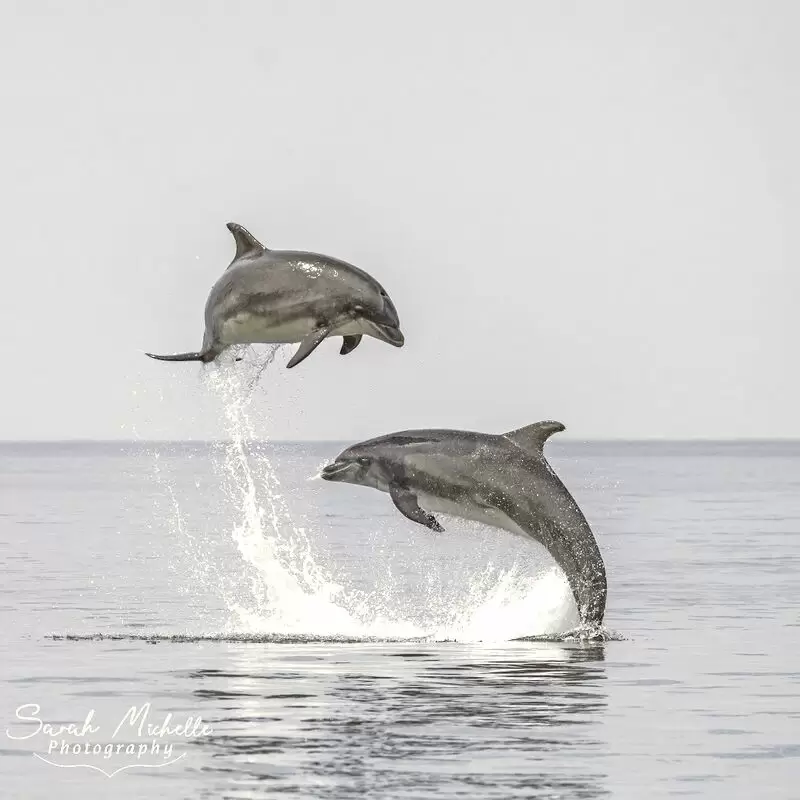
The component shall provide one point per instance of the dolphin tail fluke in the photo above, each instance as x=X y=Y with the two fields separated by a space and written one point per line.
x=204 y=357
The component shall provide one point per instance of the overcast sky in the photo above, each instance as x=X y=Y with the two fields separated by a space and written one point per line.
x=583 y=211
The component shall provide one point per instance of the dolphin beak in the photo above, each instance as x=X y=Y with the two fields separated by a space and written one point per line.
x=392 y=335
x=332 y=471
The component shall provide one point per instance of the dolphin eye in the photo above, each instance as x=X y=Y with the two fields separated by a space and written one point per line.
x=364 y=461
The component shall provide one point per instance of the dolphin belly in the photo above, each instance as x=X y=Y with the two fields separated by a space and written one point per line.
x=246 y=327
x=485 y=515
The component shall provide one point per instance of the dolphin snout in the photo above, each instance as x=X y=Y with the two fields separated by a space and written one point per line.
x=393 y=335
x=330 y=471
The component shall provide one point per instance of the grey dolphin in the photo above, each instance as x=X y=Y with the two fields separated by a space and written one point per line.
x=504 y=481
x=282 y=296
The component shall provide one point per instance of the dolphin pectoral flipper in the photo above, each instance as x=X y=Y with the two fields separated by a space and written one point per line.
x=407 y=505
x=308 y=345
x=349 y=343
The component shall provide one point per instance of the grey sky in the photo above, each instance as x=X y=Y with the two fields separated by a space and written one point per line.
x=583 y=211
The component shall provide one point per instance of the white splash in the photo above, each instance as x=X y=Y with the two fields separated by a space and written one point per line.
x=288 y=592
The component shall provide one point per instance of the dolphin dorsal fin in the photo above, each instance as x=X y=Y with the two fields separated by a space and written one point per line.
x=533 y=437
x=247 y=246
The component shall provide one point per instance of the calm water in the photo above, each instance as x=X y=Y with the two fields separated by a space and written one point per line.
x=194 y=578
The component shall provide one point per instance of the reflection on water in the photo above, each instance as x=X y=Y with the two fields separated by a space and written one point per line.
x=452 y=719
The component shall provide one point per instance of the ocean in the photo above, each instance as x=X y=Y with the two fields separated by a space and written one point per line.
x=232 y=627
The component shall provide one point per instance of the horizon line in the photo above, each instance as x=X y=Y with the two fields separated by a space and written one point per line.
x=564 y=439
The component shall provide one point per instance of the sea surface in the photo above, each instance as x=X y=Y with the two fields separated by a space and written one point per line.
x=325 y=647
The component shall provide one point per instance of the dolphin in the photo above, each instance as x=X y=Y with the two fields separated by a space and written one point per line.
x=500 y=480
x=282 y=296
